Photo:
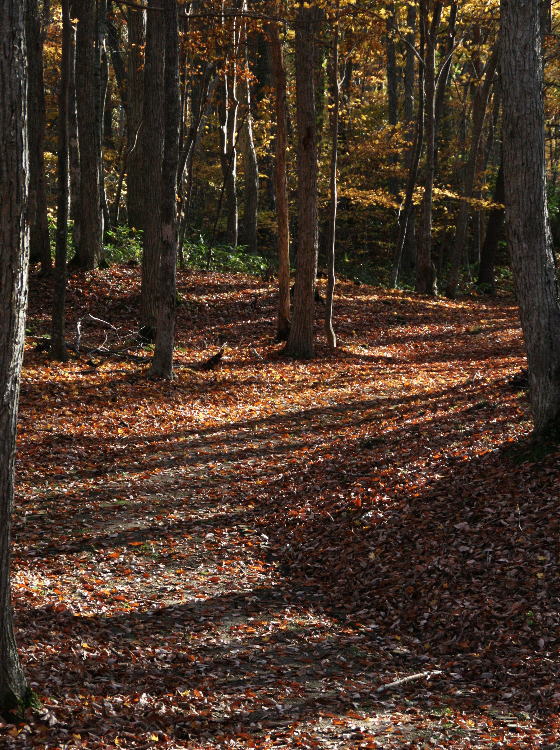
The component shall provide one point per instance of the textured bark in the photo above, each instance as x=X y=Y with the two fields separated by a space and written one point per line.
x=73 y=146
x=40 y=249
x=58 y=344
x=481 y=97
x=300 y=340
x=527 y=223
x=162 y=363
x=152 y=157
x=136 y=23
x=281 y=182
x=426 y=282
x=87 y=99
x=14 y=241
x=494 y=231
x=333 y=189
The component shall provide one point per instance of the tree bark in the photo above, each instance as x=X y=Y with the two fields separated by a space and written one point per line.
x=58 y=342
x=162 y=363
x=74 y=141
x=481 y=97
x=152 y=158
x=251 y=169
x=14 y=259
x=300 y=340
x=228 y=111
x=40 y=248
x=527 y=222
x=136 y=24
x=88 y=253
x=426 y=282
x=333 y=188
x=281 y=181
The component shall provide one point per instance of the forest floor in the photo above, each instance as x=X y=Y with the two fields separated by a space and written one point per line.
x=253 y=556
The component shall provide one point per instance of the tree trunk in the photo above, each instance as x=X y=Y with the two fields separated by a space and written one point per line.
x=162 y=363
x=14 y=258
x=58 y=343
x=251 y=166
x=88 y=253
x=228 y=109
x=74 y=141
x=281 y=181
x=333 y=188
x=527 y=223
x=136 y=24
x=494 y=229
x=480 y=104
x=39 y=244
x=426 y=282
x=152 y=157
x=300 y=340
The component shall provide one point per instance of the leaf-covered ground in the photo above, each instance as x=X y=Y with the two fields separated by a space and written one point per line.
x=259 y=555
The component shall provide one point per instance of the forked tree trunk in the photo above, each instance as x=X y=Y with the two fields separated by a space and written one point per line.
x=281 y=181
x=152 y=156
x=14 y=241
x=527 y=223
x=162 y=363
x=300 y=340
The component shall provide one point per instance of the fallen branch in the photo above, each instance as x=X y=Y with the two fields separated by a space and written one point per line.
x=410 y=678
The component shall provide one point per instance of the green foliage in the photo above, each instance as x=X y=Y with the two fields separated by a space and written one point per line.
x=200 y=255
x=122 y=245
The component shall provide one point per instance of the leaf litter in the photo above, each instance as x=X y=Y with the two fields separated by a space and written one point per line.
x=340 y=553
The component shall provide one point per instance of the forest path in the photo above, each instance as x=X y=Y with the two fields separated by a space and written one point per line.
x=243 y=557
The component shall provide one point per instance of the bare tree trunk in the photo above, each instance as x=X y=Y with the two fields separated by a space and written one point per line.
x=480 y=104
x=89 y=251
x=73 y=143
x=152 y=158
x=333 y=188
x=58 y=343
x=162 y=363
x=494 y=229
x=136 y=24
x=251 y=166
x=527 y=223
x=228 y=111
x=40 y=248
x=426 y=282
x=300 y=340
x=14 y=259
x=281 y=182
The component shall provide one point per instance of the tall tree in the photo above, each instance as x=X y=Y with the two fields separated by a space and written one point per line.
x=527 y=224
x=426 y=282
x=281 y=180
x=58 y=343
x=162 y=363
x=88 y=253
x=40 y=248
x=14 y=258
x=300 y=340
x=136 y=24
x=152 y=135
